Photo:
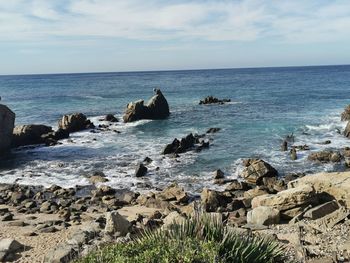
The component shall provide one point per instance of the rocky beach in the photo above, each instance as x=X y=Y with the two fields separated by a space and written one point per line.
x=307 y=214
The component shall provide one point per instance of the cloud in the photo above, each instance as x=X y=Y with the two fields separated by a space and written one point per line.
x=158 y=20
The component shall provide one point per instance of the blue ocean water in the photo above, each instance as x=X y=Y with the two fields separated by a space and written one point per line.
x=267 y=104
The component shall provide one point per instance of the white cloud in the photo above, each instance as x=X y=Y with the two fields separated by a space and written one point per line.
x=239 y=20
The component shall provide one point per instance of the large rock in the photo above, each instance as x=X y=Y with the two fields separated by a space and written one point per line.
x=9 y=247
x=190 y=142
x=210 y=200
x=287 y=199
x=7 y=122
x=29 y=134
x=140 y=170
x=116 y=224
x=74 y=122
x=62 y=253
x=173 y=193
x=347 y=130
x=156 y=108
x=213 y=100
x=173 y=218
x=325 y=156
x=263 y=215
x=256 y=170
x=345 y=116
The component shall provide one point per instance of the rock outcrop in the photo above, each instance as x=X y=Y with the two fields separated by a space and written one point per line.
x=75 y=122
x=156 y=108
x=256 y=170
x=29 y=134
x=325 y=156
x=347 y=130
x=213 y=100
x=190 y=142
x=7 y=122
x=345 y=116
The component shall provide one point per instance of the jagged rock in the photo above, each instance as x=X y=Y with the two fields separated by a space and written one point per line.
x=74 y=122
x=347 y=130
x=62 y=253
x=110 y=118
x=256 y=170
x=345 y=116
x=156 y=108
x=210 y=200
x=173 y=192
x=7 y=122
x=263 y=215
x=325 y=156
x=218 y=174
x=9 y=247
x=188 y=143
x=29 y=134
x=140 y=170
x=98 y=177
x=287 y=199
x=284 y=146
x=293 y=154
x=116 y=224
x=213 y=130
x=213 y=100
x=236 y=185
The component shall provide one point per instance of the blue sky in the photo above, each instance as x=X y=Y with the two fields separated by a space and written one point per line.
x=54 y=36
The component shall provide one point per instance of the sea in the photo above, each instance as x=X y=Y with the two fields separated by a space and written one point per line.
x=267 y=104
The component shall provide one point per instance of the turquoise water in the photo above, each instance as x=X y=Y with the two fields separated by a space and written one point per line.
x=267 y=104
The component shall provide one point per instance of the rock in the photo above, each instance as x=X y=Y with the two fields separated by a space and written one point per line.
x=116 y=224
x=213 y=130
x=257 y=191
x=147 y=160
x=347 y=130
x=345 y=116
x=210 y=200
x=188 y=143
x=7 y=122
x=293 y=154
x=9 y=247
x=156 y=108
x=256 y=170
x=284 y=146
x=173 y=218
x=98 y=177
x=236 y=185
x=287 y=199
x=103 y=190
x=74 y=122
x=218 y=174
x=62 y=253
x=273 y=184
x=140 y=170
x=321 y=210
x=29 y=134
x=263 y=215
x=173 y=192
x=7 y=217
x=325 y=156
x=54 y=136
x=110 y=118
x=213 y=100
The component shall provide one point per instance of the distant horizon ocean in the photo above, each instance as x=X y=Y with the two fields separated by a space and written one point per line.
x=267 y=105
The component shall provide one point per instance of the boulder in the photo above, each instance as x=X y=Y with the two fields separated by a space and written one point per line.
x=325 y=156
x=218 y=174
x=74 y=122
x=321 y=210
x=29 y=134
x=156 y=108
x=9 y=247
x=210 y=200
x=173 y=218
x=116 y=224
x=345 y=116
x=213 y=100
x=110 y=118
x=61 y=253
x=256 y=170
x=263 y=215
x=173 y=193
x=140 y=170
x=188 y=143
x=287 y=199
x=7 y=122
x=347 y=130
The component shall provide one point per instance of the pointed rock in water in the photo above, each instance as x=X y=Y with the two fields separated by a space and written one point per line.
x=218 y=174
x=111 y=118
x=347 y=130
x=75 y=122
x=293 y=154
x=156 y=108
x=284 y=146
x=141 y=170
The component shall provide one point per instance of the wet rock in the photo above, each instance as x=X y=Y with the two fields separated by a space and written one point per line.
x=293 y=154
x=7 y=122
x=188 y=143
x=347 y=130
x=74 y=122
x=237 y=185
x=116 y=224
x=98 y=177
x=147 y=160
x=263 y=215
x=213 y=130
x=140 y=170
x=284 y=146
x=218 y=174
x=213 y=100
x=103 y=190
x=8 y=248
x=51 y=138
x=325 y=156
x=345 y=116
x=156 y=108
x=29 y=134
x=257 y=170
x=110 y=118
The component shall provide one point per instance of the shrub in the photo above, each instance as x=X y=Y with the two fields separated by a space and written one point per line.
x=201 y=239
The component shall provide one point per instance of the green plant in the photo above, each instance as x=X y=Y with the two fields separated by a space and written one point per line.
x=200 y=239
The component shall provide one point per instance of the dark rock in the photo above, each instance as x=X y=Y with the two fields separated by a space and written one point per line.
x=7 y=122
x=218 y=174
x=301 y=147
x=188 y=143
x=256 y=170
x=345 y=116
x=141 y=170
x=110 y=118
x=213 y=100
x=147 y=160
x=236 y=185
x=156 y=108
x=29 y=134
x=284 y=146
x=75 y=122
x=293 y=154
x=213 y=130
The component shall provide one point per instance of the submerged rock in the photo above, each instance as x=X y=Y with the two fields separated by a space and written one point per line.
x=75 y=122
x=190 y=142
x=156 y=108
x=213 y=100
x=7 y=122
x=29 y=134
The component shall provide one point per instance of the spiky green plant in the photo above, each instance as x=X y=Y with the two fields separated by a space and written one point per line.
x=200 y=239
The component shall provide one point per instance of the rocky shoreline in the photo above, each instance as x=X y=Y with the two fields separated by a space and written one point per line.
x=58 y=224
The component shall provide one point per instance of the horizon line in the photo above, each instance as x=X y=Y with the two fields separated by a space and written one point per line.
x=169 y=70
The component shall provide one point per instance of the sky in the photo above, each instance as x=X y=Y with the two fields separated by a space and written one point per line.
x=62 y=36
